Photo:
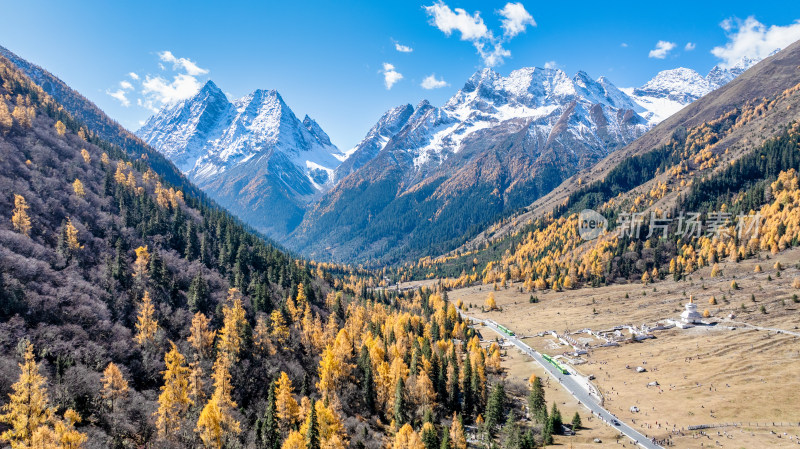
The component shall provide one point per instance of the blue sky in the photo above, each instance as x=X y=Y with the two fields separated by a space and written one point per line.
x=329 y=59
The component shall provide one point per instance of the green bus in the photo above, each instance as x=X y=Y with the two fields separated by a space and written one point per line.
x=553 y=362
x=505 y=330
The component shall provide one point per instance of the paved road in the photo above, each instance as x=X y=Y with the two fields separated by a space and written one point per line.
x=571 y=385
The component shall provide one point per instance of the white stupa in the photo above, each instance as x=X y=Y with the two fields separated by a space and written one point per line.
x=690 y=315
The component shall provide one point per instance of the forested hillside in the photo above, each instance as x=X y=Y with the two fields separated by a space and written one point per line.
x=135 y=314
x=90 y=115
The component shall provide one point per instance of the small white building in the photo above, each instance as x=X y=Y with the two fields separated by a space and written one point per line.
x=690 y=315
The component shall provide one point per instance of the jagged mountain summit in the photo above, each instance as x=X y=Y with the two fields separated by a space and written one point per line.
x=414 y=181
x=378 y=136
x=599 y=115
x=252 y=155
x=670 y=90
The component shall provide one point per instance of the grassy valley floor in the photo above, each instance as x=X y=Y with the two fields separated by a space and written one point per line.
x=740 y=369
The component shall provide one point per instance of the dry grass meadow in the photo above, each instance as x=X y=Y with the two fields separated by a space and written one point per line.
x=743 y=370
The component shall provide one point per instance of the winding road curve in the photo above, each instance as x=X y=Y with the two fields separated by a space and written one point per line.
x=572 y=386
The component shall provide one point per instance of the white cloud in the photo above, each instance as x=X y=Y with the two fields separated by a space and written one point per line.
x=161 y=90
x=147 y=104
x=516 y=18
x=550 y=65
x=662 y=49
x=402 y=48
x=390 y=75
x=430 y=82
x=473 y=29
x=119 y=94
x=495 y=53
x=727 y=24
x=188 y=66
x=470 y=26
x=154 y=91
x=624 y=45
x=690 y=46
x=752 y=39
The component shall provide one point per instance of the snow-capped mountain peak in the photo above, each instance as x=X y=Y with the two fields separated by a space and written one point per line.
x=682 y=85
x=536 y=95
x=181 y=130
x=670 y=90
x=248 y=148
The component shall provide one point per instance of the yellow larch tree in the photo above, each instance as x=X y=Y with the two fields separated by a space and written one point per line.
x=28 y=408
x=85 y=154
x=146 y=324
x=302 y=298
x=66 y=435
x=119 y=174
x=407 y=438
x=280 y=331
x=149 y=176
x=423 y=391
x=294 y=311
x=196 y=384
x=141 y=263
x=20 y=218
x=216 y=422
x=330 y=374
x=223 y=386
x=295 y=440
x=201 y=337
x=331 y=329
x=233 y=324
x=115 y=387
x=307 y=330
x=457 y=438
x=261 y=338
x=77 y=187
x=491 y=304
x=61 y=129
x=285 y=404
x=174 y=401
x=71 y=234
x=329 y=424
x=493 y=361
x=62 y=436
x=21 y=114
x=6 y=122
x=130 y=181
x=334 y=442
